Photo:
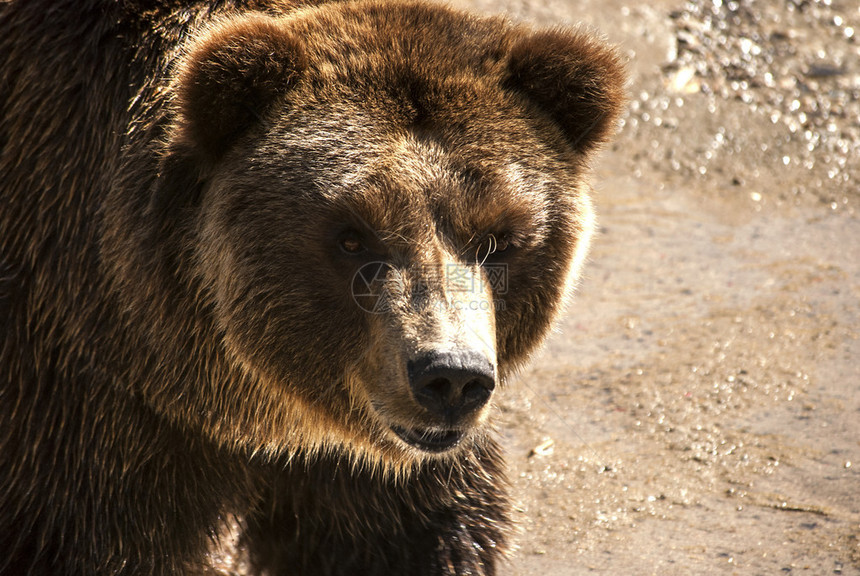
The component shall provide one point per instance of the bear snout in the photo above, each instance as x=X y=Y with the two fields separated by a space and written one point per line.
x=451 y=385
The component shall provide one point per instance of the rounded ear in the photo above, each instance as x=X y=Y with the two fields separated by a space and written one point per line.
x=575 y=79
x=231 y=76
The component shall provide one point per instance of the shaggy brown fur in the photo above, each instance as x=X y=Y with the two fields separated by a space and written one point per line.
x=192 y=197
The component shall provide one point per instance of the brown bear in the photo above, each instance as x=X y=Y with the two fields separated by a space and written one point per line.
x=263 y=266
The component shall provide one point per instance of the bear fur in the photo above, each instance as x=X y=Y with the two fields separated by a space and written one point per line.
x=196 y=196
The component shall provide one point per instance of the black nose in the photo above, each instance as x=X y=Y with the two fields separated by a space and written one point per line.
x=451 y=385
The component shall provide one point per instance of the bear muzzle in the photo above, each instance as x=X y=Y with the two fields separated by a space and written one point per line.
x=451 y=387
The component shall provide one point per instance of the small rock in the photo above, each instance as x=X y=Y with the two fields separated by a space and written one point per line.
x=543 y=449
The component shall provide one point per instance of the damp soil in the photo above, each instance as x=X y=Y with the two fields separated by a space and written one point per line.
x=698 y=409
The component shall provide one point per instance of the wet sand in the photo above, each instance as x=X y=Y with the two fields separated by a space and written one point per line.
x=697 y=411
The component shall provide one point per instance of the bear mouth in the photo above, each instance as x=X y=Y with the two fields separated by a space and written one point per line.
x=429 y=441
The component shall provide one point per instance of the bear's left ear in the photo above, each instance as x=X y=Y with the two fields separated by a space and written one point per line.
x=231 y=76
x=575 y=79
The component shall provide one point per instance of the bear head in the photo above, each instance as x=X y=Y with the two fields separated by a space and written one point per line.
x=384 y=207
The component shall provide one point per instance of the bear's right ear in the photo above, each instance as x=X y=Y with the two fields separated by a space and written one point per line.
x=231 y=76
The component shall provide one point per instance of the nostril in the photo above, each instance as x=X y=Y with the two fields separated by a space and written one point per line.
x=435 y=394
x=478 y=390
x=440 y=387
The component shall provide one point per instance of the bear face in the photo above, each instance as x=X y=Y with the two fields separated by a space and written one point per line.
x=382 y=227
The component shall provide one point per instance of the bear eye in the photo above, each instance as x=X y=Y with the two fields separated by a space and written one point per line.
x=350 y=243
x=493 y=244
x=503 y=242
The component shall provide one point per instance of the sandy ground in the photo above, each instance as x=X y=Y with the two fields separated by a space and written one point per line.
x=697 y=411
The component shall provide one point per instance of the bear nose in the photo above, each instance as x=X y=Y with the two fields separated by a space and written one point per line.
x=451 y=385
